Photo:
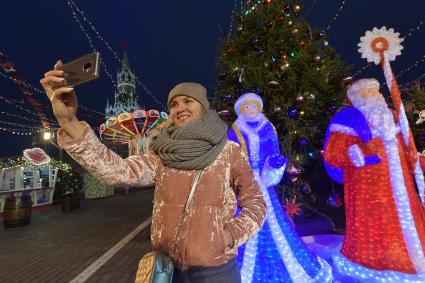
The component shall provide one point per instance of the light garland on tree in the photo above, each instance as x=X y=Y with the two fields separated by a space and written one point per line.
x=232 y=16
x=328 y=27
x=72 y=5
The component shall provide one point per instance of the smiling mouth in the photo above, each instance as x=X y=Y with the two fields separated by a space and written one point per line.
x=183 y=117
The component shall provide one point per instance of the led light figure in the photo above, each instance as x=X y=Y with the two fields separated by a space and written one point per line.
x=276 y=253
x=366 y=150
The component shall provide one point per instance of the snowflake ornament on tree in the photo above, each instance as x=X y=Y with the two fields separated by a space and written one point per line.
x=292 y=207
x=379 y=41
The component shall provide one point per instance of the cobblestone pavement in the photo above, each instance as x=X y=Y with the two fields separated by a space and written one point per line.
x=57 y=246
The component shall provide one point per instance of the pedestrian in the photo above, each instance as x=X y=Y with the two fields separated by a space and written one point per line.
x=194 y=139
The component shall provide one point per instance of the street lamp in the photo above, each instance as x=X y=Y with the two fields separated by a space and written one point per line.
x=49 y=136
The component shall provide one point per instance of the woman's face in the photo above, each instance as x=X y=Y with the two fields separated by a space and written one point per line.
x=184 y=110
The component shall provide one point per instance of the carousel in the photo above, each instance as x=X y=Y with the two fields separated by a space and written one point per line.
x=137 y=129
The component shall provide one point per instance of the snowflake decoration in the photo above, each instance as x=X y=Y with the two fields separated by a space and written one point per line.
x=378 y=42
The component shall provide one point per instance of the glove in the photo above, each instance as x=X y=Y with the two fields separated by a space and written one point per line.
x=273 y=170
x=359 y=160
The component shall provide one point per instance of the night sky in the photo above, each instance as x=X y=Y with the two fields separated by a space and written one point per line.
x=169 y=42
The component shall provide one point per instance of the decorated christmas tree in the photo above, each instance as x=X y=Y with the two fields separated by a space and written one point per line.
x=276 y=54
x=414 y=104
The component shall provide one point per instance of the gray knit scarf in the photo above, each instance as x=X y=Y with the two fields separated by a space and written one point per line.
x=194 y=146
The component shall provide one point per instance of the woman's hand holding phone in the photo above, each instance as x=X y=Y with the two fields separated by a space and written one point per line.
x=64 y=101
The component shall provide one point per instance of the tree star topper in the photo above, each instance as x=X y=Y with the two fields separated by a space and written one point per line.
x=379 y=42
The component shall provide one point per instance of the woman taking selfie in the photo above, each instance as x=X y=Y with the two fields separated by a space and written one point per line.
x=194 y=141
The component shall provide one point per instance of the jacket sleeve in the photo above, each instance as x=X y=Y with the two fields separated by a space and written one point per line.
x=107 y=166
x=250 y=199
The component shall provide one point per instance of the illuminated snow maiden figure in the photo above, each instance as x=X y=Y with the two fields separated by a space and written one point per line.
x=276 y=253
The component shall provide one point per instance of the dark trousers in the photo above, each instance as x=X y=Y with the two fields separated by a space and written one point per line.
x=226 y=273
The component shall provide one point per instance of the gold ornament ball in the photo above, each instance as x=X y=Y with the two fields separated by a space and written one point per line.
x=284 y=66
x=297 y=8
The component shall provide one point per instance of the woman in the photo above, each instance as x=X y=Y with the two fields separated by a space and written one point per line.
x=196 y=139
x=276 y=253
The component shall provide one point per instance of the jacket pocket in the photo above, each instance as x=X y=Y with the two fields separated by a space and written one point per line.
x=205 y=238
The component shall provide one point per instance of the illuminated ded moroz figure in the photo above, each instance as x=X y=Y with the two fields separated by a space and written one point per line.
x=276 y=253
x=371 y=150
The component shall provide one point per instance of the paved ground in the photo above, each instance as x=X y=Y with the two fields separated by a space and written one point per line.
x=58 y=246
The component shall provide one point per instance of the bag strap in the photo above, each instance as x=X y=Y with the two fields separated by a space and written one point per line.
x=186 y=209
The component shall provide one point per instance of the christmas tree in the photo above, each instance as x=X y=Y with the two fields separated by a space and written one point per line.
x=415 y=103
x=275 y=53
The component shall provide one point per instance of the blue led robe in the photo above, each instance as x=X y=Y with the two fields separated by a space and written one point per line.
x=276 y=253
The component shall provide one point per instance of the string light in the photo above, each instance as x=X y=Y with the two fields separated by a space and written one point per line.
x=39 y=91
x=410 y=33
x=334 y=17
x=82 y=14
x=21 y=108
x=19 y=125
x=19 y=116
x=232 y=17
x=20 y=131
x=74 y=15
x=420 y=60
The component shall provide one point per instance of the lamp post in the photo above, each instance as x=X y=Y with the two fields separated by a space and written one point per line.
x=49 y=136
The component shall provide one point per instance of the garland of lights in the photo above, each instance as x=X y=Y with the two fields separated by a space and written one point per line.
x=232 y=17
x=20 y=131
x=19 y=117
x=72 y=5
x=19 y=125
x=75 y=17
x=28 y=85
x=9 y=68
x=328 y=27
x=23 y=162
x=19 y=107
x=36 y=156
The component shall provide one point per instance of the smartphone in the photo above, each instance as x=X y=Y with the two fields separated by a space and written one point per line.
x=81 y=70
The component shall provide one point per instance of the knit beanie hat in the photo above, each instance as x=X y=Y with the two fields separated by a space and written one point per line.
x=193 y=90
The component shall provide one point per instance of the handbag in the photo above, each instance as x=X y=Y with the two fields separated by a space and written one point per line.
x=155 y=266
